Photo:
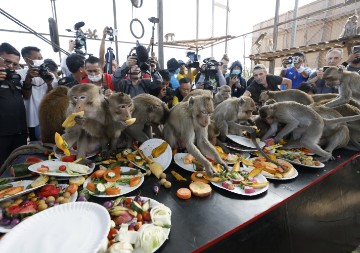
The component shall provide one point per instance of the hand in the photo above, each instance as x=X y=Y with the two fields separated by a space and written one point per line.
x=72 y=45
x=153 y=64
x=131 y=61
x=233 y=80
x=108 y=92
x=285 y=62
x=2 y=74
x=79 y=120
x=352 y=57
x=151 y=41
x=32 y=72
x=300 y=69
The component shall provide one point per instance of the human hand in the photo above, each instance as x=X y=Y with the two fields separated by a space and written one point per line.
x=153 y=62
x=353 y=56
x=300 y=69
x=33 y=72
x=2 y=74
x=105 y=31
x=233 y=80
x=131 y=61
x=285 y=62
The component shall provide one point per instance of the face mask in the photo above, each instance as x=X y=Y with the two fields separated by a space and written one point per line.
x=95 y=78
x=177 y=71
x=37 y=63
x=235 y=72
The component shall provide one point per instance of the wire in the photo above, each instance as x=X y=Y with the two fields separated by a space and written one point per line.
x=31 y=31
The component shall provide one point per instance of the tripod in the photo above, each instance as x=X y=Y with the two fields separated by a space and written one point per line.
x=109 y=57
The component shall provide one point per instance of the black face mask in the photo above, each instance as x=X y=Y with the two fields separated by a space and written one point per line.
x=134 y=73
x=356 y=61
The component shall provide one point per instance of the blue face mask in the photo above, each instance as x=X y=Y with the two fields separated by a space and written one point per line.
x=177 y=71
x=236 y=72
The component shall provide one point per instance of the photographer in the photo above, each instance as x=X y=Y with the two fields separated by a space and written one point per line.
x=352 y=63
x=38 y=76
x=211 y=78
x=96 y=76
x=173 y=67
x=297 y=72
x=13 y=130
x=165 y=92
x=181 y=92
x=185 y=71
x=235 y=80
x=104 y=57
x=134 y=84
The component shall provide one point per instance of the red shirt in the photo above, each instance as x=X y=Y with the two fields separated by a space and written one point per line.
x=108 y=80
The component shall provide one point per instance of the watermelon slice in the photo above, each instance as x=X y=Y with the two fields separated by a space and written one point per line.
x=28 y=208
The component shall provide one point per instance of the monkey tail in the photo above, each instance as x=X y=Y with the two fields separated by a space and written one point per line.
x=342 y=119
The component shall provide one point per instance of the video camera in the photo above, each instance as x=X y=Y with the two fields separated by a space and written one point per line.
x=110 y=32
x=193 y=60
x=80 y=38
x=211 y=65
x=142 y=56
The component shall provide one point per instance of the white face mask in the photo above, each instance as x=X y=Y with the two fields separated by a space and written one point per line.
x=95 y=78
x=37 y=63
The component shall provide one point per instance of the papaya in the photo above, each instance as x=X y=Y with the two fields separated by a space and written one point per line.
x=159 y=150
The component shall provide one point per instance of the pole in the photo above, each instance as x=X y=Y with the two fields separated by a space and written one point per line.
x=212 y=25
x=197 y=20
x=294 y=26
x=227 y=25
x=115 y=27
x=275 y=35
x=160 y=33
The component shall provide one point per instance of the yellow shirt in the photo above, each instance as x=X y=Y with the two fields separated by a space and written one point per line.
x=193 y=75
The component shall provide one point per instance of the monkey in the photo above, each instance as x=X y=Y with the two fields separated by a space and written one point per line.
x=188 y=122
x=347 y=82
x=149 y=111
x=197 y=92
x=224 y=92
x=303 y=122
x=231 y=111
x=259 y=40
x=286 y=95
x=171 y=35
x=350 y=28
x=327 y=97
x=52 y=113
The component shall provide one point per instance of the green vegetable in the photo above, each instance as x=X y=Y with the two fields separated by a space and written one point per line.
x=5 y=186
x=100 y=189
x=136 y=207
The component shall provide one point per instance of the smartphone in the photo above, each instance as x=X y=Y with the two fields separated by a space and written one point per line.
x=356 y=49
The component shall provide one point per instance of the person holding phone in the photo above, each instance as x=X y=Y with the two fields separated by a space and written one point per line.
x=352 y=63
x=235 y=80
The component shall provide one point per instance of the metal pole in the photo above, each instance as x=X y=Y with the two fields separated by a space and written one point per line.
x=197 y=20
x=294 y=26
x=212 y=25
x=275 y=35
x=227 y=25
x=115 y=27
x=160 y=33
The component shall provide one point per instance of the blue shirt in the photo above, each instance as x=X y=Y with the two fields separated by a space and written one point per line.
x=174 y=82
x=296 y=77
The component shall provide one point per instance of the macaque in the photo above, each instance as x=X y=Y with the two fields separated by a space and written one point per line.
x=328 y=97
x=213 y=133
x=228 y=113
x=224 y=92
x=303 y=122
x=52 y=113
x=188 y=123
x=197 y=92
x=149 y=111
x=286 y=95
x=347 y=82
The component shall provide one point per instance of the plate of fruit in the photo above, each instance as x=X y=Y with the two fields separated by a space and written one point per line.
x=61 y=169
x=17 y=209
x=140 y=223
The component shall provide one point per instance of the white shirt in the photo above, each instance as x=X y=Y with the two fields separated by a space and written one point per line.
x=39 y=89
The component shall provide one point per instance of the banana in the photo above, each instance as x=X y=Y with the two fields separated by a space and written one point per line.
x=61 y=144
x=70 y=120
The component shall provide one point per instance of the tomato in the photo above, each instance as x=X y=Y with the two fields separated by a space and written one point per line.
x=62 y=167
x=146 y=216
x=128 y=201
x=139 y=217
x=138 y=225
x=69 y=158
x=112 y=233
x=72 y=188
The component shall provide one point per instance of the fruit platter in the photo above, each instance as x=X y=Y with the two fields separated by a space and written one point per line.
x=15 y=210
x=113 y=181
x=139 y=224
x=299 y=158
x=61 y=169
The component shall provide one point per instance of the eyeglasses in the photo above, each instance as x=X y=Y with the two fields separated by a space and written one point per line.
x=10 y=63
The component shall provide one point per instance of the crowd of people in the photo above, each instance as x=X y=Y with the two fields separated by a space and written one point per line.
x=23 y=87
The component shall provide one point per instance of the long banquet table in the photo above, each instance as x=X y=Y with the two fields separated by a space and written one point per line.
x=316 y=212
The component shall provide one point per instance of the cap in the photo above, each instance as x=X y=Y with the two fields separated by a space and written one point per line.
x=172 y=64
x=181 y=62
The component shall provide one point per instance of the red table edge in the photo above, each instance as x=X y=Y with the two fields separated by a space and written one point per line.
x=230 y=232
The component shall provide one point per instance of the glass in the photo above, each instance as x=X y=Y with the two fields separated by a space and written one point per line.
x=10 y=63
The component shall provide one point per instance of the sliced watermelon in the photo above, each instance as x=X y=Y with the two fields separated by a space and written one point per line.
x=32 y=159
x=28 y=208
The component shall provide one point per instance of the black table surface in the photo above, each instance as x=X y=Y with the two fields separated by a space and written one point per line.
x=198 y=223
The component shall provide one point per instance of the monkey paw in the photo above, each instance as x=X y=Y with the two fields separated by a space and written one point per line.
x=86 y=162
x=79 y=120
x=210 y=171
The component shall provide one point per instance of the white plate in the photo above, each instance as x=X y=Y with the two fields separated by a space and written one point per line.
x=124 y=189
x=308 y=166
x=24 y=183
x=296 y=173
x=153 y=203
x=260 y=178
x=179 y=160
x=73 y=198
x=244 y=141
x=71 y=227
x=54 y=166
x=147 y=147
x=58 y=153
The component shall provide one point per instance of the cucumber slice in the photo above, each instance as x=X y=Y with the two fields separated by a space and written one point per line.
x=146 y=206
x=136 y=207
x=100 y=188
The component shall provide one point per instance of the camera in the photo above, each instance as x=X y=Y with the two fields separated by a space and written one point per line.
x=110 y=32
x=293 y=59
x=193 y=60
x=11 y=76
x=325 y=68
x=80 y=38
x=44 y=73
x=356 y=49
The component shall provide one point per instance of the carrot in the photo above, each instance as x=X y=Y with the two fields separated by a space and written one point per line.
x=134 y=181
x=43 y=169
x=183 y=193
x=112 y=191
x=112 y=175
x=138 y=225
x=72 y=188
x=98 y=174
x=90 y=186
